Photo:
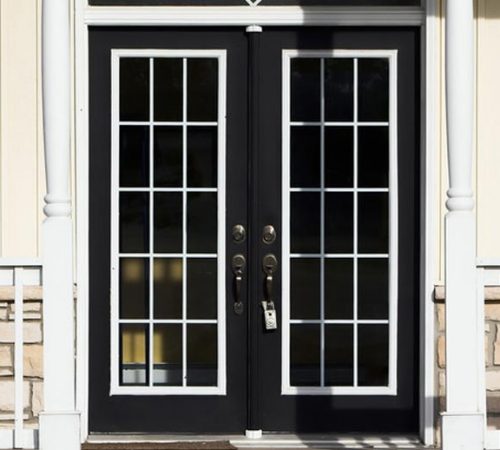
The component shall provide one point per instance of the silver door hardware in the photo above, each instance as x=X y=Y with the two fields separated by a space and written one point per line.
x=238 y=264
x=269 y=265
x=268 y=234
x=270 y=322
x=239 y=233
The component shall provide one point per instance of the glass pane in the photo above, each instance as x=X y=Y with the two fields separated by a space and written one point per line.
x=168 y=89
x=168 y=156
x=305 y=89
x=339 y=103
x=305 y=164
x=202 y=288
x=202 y=355
x=202 y=89
x=168 y=288
x=338 y=222
x=134 y=355
x=373 y=288
x=134 y=288
x=134 y=156
x=202 y=222
x=373 y=89
x=167 y=351
x=339 y=355
x=168 y=222
x=373 y=222
x=339 y=286
x=134 y=89
x=305 y=355
x=373 y=157
x=373 y=355
x=304 y=288
x=134 y=222
x=305 y=222
x=202 y=156
x=339 y=169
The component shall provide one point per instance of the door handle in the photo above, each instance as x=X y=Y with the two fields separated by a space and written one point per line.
x=238 y=266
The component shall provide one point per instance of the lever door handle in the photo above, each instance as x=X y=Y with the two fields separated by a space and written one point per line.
x=238 y=266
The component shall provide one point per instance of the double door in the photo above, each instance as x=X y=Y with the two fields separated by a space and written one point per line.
x=254 y=224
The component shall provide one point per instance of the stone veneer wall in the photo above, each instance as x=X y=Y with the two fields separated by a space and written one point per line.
x=33 y=363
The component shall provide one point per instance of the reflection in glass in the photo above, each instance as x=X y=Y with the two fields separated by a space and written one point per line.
x=202 y=355
x=134 y=355
x=305 y=222
x=339 y=143
x=305 y=164
x=168 y=222
x=167 y=288
x=168 y=89
x=134 y=288
x=373 y=157
x=305 y=89
x=202 y=222
x=168 y=156
x=134 y=89
x=167 y=351
x=305 y=355
x=373 y=89
x=373 y=288
x=134 y=222
x=373 y=355
x=339 y=81
x=373 y=222
x=339 y=222
x=339 y=360
x=202 y=156
x=202 y=288
x=304 y=288
x=339 y=288
x=202 y=89
x=134 y=156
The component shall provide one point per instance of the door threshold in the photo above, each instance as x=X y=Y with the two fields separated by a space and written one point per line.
x=268 y=440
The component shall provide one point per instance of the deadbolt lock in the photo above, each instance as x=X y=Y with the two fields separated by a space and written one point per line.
x=239 y=233
x=268 y=234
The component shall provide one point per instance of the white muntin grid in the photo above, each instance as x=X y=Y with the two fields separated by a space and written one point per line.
x=392 y=256
x=116 y=256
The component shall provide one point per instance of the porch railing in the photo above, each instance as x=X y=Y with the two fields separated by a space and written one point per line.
x=20 y=282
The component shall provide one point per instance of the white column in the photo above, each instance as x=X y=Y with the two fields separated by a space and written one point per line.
x=59 y=422
x=463 y=421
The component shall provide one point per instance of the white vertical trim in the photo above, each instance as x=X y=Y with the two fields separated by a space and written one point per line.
x=18 y=358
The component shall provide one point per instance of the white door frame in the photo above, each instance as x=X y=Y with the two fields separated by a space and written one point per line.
x=425 y=17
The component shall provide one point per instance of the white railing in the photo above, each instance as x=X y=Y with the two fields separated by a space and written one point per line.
x=17 y=277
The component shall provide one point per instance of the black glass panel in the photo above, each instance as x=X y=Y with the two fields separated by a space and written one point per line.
x=134 y=156
x=202 y=89
x=167 y=288
x=168 y=222
x=202 y=157
x=339 y=352
x=339 y=222
x=339 y=169
x=168 y=156
x=134 y=89
x=167 y=351
x=339 y=82
x=304 y=288
x=373 y=355
x=202 y=222
x=134 y=288
x=305 y=89
x=202 y=355
x=305 y=164
x=373 y=222
x=339 y=288
x=201 y=288
x=305 y=355
x=134 y=222
x=373 y=157
x=134 y=352
x=373 y=288
x=305 y=222
x=168 y=89
x=373 y=89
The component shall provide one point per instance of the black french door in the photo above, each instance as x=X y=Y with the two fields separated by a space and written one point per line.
x=235 y=174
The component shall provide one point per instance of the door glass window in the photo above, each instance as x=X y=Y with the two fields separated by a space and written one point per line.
x=339 y=248
x=168 y=216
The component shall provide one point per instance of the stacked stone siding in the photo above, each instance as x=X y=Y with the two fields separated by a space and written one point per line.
x=33 y=363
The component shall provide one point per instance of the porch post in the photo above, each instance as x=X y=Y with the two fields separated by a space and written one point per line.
x=59 y=422
x=463 y=421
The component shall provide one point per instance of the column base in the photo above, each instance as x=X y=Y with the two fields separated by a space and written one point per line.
x=462 y=431
x=59 y=430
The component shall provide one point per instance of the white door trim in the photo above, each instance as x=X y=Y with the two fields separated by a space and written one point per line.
x=426 y=18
